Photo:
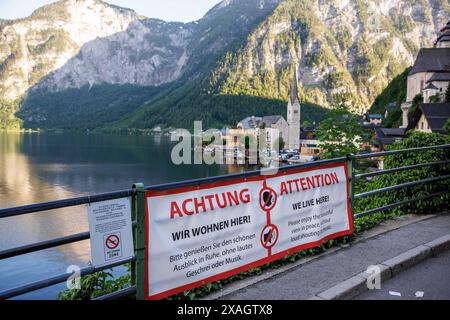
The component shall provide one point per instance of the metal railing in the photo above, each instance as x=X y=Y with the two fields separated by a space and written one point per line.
x=137 y=193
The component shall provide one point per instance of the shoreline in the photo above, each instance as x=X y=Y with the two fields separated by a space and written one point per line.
x=141 y=132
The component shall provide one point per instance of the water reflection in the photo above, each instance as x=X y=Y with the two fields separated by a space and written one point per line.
x=44 y=167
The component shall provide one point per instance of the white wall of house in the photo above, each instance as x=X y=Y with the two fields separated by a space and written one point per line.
x=422 y=125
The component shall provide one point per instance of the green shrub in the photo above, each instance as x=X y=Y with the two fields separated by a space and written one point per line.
x=432 y=205
x=96 y=285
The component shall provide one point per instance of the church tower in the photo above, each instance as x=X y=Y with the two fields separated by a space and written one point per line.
x=293 y=116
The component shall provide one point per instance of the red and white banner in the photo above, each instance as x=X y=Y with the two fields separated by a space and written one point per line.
x=200 y=234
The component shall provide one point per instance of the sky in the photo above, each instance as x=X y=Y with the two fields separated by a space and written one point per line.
x=169 y=10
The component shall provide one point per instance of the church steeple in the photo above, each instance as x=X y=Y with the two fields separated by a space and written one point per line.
x=293 y=116
x=293 y=96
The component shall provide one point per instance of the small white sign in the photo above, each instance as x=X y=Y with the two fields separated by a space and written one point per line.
x=111 y=231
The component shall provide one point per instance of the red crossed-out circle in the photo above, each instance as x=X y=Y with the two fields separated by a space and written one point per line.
x=265 y=205
x=112 y=241
x=269 y=230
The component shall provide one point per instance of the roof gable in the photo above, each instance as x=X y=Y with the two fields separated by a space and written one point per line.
x=430 y=86
x=436 y=115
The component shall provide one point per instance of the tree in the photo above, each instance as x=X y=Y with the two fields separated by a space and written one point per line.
x=340 y=133
x=416 y=102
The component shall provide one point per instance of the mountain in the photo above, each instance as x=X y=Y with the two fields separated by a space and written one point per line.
x=88 y=64
x=351 y=48
x=77 y=44
x=342 y=49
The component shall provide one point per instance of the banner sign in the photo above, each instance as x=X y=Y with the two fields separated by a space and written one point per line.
x=200 y=234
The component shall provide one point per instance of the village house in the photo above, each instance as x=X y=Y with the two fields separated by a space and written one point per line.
x=430 y=117
x=386 y=136
x=372 y=119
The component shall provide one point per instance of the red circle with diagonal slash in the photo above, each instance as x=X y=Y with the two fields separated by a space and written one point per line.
x=263 y=204
x=112 y=241
x=265 y=243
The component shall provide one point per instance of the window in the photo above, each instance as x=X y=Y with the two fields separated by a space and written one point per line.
x=421 y=85
x=421 y=126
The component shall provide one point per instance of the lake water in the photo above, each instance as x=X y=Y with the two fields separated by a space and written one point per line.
x=43 y=167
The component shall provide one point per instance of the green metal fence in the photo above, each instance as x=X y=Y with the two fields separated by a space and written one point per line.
x=137 y=193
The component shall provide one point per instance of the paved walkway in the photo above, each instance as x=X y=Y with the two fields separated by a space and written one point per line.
x=429 y=280
x=308 y=279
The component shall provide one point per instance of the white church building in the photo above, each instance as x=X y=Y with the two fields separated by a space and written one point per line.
x=275 y=125
x=430 y=74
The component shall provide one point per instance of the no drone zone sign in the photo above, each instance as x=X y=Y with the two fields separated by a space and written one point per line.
x=110 y=229
x=200 y=234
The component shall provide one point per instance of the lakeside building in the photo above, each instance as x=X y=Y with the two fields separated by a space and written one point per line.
x=276 y=126
x=309 y=144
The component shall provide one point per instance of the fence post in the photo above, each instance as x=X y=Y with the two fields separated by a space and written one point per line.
x=138 y=267
x=351 y=177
